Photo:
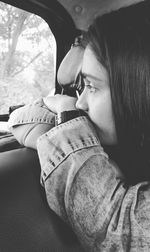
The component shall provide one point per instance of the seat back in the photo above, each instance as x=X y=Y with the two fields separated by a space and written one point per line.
x=26 y=222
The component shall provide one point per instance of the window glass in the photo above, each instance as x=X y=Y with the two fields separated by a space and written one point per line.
x=27 y=57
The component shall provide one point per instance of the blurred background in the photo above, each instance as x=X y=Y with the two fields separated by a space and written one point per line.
x=27 y=57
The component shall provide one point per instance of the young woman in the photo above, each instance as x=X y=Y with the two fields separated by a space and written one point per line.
x=108 y=210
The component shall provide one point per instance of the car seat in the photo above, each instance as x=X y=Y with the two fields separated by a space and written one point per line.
x=26 y=222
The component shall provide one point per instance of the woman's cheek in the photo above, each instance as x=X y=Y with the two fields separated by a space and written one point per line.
x=100 y=113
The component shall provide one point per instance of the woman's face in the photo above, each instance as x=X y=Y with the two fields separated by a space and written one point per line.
x=95 y=99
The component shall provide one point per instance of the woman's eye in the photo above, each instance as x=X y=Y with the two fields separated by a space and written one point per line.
x=82 y=82
x=91 y=88
x=88 y=84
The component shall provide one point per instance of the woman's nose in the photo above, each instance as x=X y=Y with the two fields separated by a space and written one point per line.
x=82 y=102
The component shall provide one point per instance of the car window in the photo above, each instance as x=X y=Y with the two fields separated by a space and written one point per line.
x=27 y=57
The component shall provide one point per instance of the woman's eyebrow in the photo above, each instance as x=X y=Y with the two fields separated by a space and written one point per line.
x=86 y=75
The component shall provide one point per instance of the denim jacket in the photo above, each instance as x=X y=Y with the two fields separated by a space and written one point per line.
x=83 y=187
x=30 y=115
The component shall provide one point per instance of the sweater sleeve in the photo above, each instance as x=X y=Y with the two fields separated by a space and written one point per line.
x=83 y=187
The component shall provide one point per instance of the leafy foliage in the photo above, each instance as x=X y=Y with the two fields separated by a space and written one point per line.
x=27 y=52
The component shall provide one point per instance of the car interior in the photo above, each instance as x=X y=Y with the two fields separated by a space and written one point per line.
x=27 y=224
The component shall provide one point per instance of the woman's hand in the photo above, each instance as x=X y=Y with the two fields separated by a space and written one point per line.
x=60 y=103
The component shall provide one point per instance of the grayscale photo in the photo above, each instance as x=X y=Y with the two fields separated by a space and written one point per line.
x=75 y=126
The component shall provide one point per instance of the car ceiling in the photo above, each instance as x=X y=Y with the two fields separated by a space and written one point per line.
x=81 y=12
x=84 y=11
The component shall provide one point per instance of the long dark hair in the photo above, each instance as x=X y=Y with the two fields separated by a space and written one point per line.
x=121 y=42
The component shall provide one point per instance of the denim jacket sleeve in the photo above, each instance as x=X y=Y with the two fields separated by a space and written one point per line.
x=83 y=188
x=35 y=120
x=35 y=112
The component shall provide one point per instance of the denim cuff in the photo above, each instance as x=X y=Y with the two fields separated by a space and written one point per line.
x=30 y=114
x=61 y=141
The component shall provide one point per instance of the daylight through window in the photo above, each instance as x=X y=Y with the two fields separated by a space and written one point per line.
x=27 y=57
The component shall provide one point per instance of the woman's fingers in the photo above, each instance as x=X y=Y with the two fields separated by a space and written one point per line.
x=59 y=103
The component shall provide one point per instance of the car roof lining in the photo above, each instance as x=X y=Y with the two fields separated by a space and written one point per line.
x=84 y=11
x=77 y=13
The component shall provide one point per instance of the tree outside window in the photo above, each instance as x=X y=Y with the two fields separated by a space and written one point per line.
x=27 y=57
